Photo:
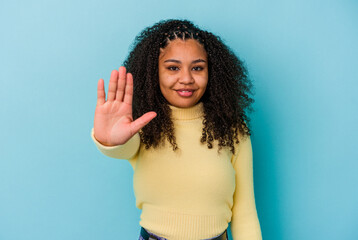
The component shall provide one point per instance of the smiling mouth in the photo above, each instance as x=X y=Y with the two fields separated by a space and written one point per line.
x=185 y=92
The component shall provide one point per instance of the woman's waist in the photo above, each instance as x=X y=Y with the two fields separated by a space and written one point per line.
x=178 y=224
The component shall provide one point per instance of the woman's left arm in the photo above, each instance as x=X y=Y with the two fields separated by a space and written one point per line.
x=245 y=224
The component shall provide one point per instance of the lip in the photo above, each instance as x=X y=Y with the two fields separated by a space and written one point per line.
x=184 y=92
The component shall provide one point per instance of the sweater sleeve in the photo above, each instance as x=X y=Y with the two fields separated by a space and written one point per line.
x=126 y=151
x=245 y=224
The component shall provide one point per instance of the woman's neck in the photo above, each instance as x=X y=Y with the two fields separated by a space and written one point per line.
x=193 y=112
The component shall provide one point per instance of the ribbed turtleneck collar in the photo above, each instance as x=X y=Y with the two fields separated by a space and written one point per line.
x=194 y=112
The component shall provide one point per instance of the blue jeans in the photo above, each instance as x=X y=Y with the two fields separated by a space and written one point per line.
x=161 y=238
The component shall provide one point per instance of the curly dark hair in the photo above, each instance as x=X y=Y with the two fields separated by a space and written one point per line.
x=226 y=99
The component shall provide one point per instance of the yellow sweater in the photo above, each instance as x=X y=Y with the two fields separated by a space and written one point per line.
x=194 y=192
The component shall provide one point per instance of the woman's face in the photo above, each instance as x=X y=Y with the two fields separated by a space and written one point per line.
x=183 y=72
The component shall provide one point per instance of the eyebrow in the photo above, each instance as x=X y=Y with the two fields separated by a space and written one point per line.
x=177 y=61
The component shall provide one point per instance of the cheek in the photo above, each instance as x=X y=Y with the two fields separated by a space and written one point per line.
x=161 y=79
x=166 y=81
x=203 y=82
x=164 y=85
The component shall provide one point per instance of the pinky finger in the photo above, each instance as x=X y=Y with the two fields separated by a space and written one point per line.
x=101 y=95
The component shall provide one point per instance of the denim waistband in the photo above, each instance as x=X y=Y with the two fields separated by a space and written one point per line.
x=147 y=235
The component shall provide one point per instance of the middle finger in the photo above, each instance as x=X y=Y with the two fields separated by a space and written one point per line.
x=121 y=84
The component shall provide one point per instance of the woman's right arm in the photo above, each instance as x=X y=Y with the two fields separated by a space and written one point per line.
x=125 y=151
x=115 y=131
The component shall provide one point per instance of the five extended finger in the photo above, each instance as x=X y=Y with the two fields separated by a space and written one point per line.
x=121 y=84
x=128 y=97
x=112 y=85
x=101 y=94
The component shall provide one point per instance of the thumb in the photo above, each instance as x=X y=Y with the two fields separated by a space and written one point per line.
x=142 y=121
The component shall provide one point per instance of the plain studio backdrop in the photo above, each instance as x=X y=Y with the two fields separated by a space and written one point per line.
x=301 y=56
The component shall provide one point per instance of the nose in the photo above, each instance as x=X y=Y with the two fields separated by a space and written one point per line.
x=186 y=77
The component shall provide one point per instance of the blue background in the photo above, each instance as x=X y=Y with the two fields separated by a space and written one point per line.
x=301 y=55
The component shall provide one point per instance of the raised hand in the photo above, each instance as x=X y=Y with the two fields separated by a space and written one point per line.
x=113 y=120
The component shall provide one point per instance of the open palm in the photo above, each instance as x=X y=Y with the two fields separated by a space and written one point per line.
x=113 y=120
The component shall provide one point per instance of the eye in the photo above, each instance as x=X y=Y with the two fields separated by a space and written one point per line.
x=173 y=68
x=197 y=68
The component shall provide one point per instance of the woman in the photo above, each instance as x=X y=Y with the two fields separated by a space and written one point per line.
x=185 y=135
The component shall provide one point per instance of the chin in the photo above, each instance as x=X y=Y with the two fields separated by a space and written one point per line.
x=184 y=105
